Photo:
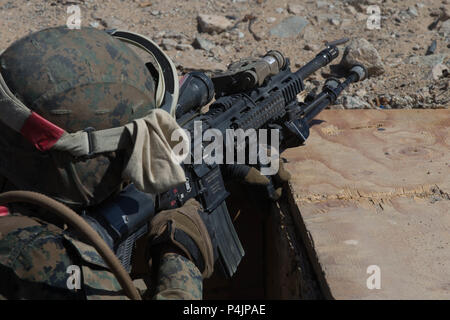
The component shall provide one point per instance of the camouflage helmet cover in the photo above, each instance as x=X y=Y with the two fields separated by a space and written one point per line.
x=75 y=79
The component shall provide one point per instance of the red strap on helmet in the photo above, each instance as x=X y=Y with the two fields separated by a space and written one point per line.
x=40 y=132
x=4 y=211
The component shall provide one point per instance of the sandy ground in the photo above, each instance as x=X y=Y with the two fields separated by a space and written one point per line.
x=402 y=40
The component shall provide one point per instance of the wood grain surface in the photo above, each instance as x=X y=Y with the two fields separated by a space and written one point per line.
x=372 y=188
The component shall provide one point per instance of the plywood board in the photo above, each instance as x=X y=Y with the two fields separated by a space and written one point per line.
x=371 y=188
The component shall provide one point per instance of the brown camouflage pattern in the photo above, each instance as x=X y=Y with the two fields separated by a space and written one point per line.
x=34 y=259
x=78 y=78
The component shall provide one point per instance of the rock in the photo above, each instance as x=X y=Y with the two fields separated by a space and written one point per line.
x=372 y=2
x=439 y=71
x=412 y=12
x=204 y=44
x=212 y=23
x=335 y=22
x=363 y=52
x=271 y=19
x=279 y=10
x=239 y=33
x=289 y=27
x=311 y=47
x=350 y=102
x=445 y=28
x=218 y=51
x=428 y=61
x=195 y=61
x=361 y=16
x=402 y=102
x=184 y=47
x=321 y=4
x=326 y=17
x=173 y=35
x=351 y=10
x=168 y=44
x=112 y=23
x=361 y=93
x=94 y=24
x=309 y=34
x=296 y=9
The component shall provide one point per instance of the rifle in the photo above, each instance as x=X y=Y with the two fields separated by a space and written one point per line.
x=252 y=94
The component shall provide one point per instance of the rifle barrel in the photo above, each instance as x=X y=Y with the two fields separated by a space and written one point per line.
x=321 y=60
x=329 y=95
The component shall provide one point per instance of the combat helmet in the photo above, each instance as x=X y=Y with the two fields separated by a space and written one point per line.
x=68 y=102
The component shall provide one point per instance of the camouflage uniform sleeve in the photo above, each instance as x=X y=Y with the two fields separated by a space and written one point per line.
x=178 y=279
x=33 y=264
x=35 y=259
x=38 y=262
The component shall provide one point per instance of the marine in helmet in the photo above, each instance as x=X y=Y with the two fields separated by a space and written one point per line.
x=82 y=117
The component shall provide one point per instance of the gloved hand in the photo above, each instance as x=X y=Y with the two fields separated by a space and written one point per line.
x=252 y=176
x=184 y=229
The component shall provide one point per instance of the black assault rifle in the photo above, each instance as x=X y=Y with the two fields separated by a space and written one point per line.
x=251 y=94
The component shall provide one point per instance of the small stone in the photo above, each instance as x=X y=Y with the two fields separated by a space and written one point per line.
x=168 y=44
x=155 y=13
x=173 y=35
x=271 y=19
x=112 y=23
x=212 y=23
x=445 y=28
x=321 y=4
x=372 y=2
x=439 y=71
x=311 y=47
x=350 y=102
x=363 y=52
x=183 y=47
x=335 y=22
x=218 y=51
x=289 y=27
x=428 y=61
x=361 y=16
x=296 y=9
x=412 y=12
x=193 y=60
x=94 y=24
x=361 y=92
x=204 y=44
x=351 y=10
x=279 y=10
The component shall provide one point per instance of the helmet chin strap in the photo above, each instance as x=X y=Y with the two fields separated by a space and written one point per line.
x=168 y=84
